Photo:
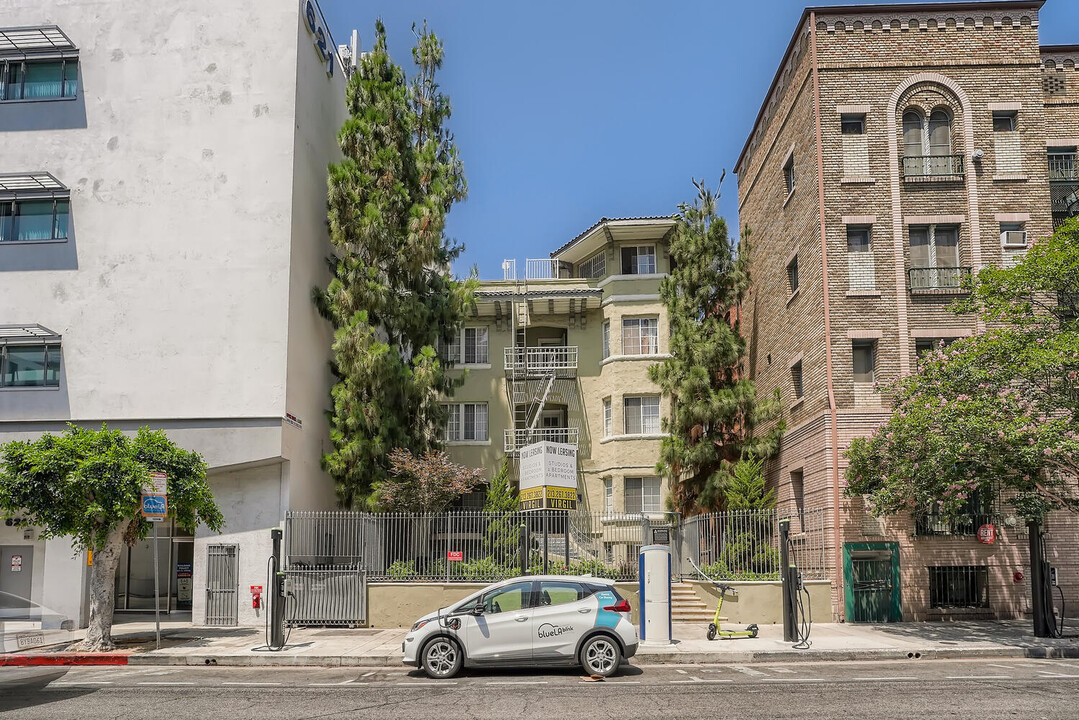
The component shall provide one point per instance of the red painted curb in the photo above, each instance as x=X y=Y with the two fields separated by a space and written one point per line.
x=65 y=659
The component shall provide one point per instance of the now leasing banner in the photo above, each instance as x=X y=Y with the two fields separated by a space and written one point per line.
x=549 y=476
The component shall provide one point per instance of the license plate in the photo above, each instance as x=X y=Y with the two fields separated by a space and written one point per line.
x=30 y=639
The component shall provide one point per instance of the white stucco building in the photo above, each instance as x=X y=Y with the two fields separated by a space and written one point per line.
x=162 y=224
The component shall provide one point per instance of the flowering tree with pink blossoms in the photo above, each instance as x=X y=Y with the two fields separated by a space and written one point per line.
x=996 y=412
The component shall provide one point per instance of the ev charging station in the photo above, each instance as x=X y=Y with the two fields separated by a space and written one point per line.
x=654 y=571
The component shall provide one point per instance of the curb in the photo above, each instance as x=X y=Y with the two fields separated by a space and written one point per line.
x=641 y=659
x=47 y=659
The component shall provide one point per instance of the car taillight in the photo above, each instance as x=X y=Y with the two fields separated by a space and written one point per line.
x=621 y=606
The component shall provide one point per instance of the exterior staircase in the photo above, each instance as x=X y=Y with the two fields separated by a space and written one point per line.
x=687 y=607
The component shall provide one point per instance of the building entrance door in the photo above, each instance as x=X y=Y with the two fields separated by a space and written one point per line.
x=871 y=572
x=16 y=570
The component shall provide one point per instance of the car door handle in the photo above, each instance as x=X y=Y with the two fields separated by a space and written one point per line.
x=584 y=610
x=521 y=618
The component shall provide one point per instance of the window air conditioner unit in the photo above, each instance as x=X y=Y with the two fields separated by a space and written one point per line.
x=1014 y=239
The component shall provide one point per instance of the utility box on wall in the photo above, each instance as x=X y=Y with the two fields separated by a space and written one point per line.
x=654 y=572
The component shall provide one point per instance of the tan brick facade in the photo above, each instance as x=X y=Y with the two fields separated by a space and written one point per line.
x=898 y=127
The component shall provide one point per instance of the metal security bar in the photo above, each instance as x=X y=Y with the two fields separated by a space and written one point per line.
x=222 y=589
x=929 y=279
x=472 y=546
x=326 y=595
x=959 y=586
x=1063 y=166
x=542 y=269
x=933 y=166
x=561 y=360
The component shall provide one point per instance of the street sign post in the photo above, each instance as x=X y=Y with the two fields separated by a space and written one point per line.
x=155 y=506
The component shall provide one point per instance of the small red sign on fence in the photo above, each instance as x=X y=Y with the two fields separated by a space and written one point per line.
x=987 y=534
x=455 y=555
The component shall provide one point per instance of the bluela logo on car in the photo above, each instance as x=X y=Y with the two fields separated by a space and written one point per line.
x=547 y=630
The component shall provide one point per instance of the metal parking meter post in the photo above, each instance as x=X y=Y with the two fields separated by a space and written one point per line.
x=277 y=593
x=545 y=513
x=524 y=543
x=565 y=519
x=789 y=623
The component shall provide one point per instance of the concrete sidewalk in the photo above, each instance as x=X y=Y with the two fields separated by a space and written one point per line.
x=378 y=648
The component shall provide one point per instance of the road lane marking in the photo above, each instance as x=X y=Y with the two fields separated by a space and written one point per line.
x=748 y=671
x=167 y=683
x=979 y=677
x=252 y=684
x=1008 y=667
x=798 y=680
x=1048 y=676
x=780 y=669
x=518 y=682
x=677 y=670
x=894 y=677
x=81 y=682
x=434 y=683
x=339 y=684
x=368 y=674
x=698 y=681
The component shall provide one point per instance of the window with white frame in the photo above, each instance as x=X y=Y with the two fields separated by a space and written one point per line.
x=466 y=422
x=608 y=424
x=643 y=495
x=860 y=259
x=640 y=336
x=29 y=365
x=593 y=267
x=606 y=350
x=639 y=260
x=641 y=415
x=469 y=347
x=608 y=496
x=788 y=174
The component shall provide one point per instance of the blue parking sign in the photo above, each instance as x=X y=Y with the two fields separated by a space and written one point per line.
x=155 y=507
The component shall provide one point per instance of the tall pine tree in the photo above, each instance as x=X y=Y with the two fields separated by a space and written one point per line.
x=714 y=407
x=392 y=295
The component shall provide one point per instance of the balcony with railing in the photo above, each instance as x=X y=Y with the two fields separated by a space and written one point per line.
x=1063 y=167
x=937 y=280
x=520 y=437
x=528 y=361
x=919 y=168
x=537 y=269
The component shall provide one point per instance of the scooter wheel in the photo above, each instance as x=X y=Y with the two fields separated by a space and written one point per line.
x=754 y=630
x=711 y=632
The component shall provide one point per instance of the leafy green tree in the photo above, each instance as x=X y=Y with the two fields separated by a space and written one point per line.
x=85 y=484
x=748 y=548
x=501 y=496
x=392 y=295
x=714 y=406
x=503 y=531
x=997 y=413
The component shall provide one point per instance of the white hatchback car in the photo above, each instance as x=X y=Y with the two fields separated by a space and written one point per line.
x=538 y=620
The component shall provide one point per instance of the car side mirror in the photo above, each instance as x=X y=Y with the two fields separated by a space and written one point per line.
x=478 y=610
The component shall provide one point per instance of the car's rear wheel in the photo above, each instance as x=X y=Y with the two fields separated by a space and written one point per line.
x=600 y=656
x=442 y=658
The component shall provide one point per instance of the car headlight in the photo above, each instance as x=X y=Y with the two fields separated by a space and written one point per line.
x=419 y=624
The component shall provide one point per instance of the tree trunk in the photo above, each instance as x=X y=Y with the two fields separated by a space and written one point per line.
x=102 y=588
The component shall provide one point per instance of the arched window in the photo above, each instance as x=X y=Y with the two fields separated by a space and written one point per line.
x=927 y=144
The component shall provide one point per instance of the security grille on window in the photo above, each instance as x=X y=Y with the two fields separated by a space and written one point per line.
x=639 y=260
x=594 y=267
x=934 y=257
x=643 y=495
x=640 y=336
x=641 y=415
x=608 y=426
x=796 y=379
x=959 y=586
x=865 y=360
x=466 y=422
x=792 y=274
x=34 y=207
x=606 y=350
x=860 y=259
x=29 y=357
x=39 y=63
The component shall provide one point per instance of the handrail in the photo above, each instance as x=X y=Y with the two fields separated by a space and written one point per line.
x=541 y=358
x=925 y=166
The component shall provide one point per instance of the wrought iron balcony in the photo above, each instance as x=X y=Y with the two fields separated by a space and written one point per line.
x=937 y=279
x=520 y=437
x=1063 y=166
x=964 y=525
x=933 y=167
x=527 y=361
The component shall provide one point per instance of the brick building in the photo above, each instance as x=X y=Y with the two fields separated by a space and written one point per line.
x=899 y=148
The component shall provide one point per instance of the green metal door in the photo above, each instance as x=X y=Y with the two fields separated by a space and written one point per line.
x=871 y=572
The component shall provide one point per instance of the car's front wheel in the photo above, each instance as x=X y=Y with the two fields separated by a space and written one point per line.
x=600 y=656
x=442 y=658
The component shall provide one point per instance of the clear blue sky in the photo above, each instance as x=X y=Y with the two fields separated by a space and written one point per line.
x=566 y=112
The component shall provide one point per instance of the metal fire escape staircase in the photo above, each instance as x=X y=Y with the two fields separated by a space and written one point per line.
x=528 y=387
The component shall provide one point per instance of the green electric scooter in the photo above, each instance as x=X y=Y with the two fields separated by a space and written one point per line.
x=714 y=630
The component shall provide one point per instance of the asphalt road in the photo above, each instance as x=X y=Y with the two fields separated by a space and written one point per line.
x=933 y=689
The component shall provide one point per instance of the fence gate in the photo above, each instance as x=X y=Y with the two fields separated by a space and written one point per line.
x=872 y=579
x=222 y=590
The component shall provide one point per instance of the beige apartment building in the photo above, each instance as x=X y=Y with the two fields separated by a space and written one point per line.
x=899 y=149
x=559 y=350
